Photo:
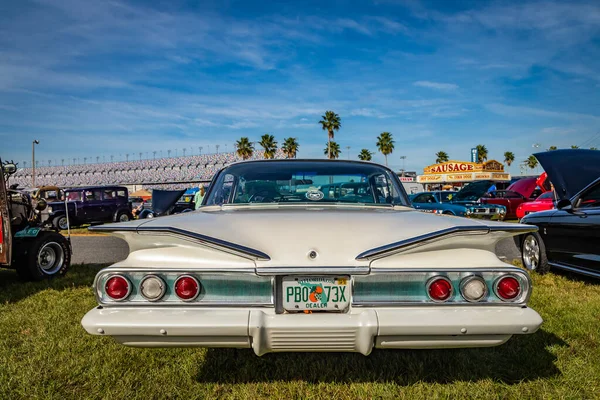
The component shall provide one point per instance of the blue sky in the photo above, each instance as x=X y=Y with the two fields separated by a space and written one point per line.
x=101 y=78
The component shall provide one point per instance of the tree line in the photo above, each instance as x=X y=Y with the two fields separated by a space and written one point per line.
x=330 y=122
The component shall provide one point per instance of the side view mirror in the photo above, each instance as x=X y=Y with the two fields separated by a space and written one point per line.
x=565 y=205
x=9 y=168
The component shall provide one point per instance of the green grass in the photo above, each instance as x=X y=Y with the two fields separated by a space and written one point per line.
x=45 y=353
x=82 y=230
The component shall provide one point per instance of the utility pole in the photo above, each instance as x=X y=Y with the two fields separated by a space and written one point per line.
x=200 y=150
x=33 y=161
x=403 y=158
x=348 y=148
x=217 y=146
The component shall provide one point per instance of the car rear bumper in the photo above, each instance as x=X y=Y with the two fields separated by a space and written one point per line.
x=357 y=331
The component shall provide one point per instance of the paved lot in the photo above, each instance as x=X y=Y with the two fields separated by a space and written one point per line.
x=107 y=249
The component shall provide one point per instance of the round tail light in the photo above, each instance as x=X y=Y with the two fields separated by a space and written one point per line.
x=473 y=288
x=187 y=288
x=439 y=289
x=152 y=288
x=508 y=288
x=117 y=287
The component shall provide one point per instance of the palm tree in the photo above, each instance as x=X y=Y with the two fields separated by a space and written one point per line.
x=385 y=144
x=245 y=148
x=332 y=150
x=330 y=122
x=531 y=162
x=593 y=148
x=441 y=156
x=552 y=148
x=365 y=155
x=482 y=153
x=509 y=157
x=574 y=147
x=268 y=143
x=290 y=147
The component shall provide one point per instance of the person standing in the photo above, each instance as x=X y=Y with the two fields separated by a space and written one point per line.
x=198 y=197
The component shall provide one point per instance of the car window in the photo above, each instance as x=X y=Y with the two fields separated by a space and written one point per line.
x=109 y=194
x=425 y=198
x=305 y=182
x=121 y=194
x=591 y=199
x=447 y=196
x=547 y=195
x=91 y=195
x=74 y=196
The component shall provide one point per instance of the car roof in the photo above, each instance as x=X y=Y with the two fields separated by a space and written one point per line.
x=95 y=188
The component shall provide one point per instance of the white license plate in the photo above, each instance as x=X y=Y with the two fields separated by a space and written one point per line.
x=316 y=293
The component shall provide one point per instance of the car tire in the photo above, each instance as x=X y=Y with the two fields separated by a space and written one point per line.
x=122 y=216
x=533 y=253
x=45 y=257
x=448 y=213
x=60 y=223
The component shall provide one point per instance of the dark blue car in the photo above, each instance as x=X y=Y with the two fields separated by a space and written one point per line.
x=451 y=203
x=91 y=205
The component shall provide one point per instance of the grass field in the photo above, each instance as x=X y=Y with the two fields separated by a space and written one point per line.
x=45 y=353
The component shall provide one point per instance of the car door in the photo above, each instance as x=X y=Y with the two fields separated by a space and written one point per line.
x=109 y=204
x=576 y=232
x=93 y=207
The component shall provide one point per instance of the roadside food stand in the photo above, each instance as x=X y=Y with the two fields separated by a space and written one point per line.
x=455 y=174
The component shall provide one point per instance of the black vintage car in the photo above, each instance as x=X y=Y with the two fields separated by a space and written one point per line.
x=569 y=236
x=90 y=205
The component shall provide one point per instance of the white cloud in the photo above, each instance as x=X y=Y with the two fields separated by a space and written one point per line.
x=436 y=85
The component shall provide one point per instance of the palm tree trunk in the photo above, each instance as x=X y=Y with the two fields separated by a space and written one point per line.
x=328 y=147
x=385 y=155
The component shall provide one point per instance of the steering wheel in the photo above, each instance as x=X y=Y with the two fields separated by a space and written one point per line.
x=265 y=197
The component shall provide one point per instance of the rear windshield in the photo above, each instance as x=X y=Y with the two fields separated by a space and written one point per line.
x=306 y=182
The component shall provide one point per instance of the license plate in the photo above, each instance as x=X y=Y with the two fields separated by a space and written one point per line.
x=315 y=293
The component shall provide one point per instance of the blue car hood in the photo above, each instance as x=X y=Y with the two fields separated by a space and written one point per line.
x=570 y=170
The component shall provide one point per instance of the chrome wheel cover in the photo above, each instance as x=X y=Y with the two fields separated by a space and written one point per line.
x=123 y=218
x=531 y=253
x=51 y=258
x=62 y=223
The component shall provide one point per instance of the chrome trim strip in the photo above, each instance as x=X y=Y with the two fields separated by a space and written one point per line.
x=266 y=271
x=397 y=247
x=433 y=304
x=206 y=240
x=574 y=269
x=507 y=269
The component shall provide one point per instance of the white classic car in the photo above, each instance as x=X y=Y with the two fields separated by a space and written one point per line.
x=301 y=255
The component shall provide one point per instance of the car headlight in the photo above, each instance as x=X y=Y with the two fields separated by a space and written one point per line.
x=502 y=211
x=49 y=209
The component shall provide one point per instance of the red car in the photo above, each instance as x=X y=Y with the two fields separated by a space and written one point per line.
x=542 y=203
x=522 y=191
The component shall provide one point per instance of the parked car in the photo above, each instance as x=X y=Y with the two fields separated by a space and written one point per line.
x=445 y=203
x=542 y=203
x=439 y=203
x=164 y=202
x=27 y=242
x=517 y=193
x=569 y=236
x=272 y=262
x=91 y=205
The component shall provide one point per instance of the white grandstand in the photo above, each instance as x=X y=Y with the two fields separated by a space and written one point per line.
x=162 y=172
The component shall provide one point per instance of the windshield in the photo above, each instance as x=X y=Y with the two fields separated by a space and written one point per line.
x=447 y=197
x=305 y=182
x=547 y=195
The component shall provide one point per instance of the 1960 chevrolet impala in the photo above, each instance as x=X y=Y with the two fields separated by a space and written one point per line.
x=300 y=255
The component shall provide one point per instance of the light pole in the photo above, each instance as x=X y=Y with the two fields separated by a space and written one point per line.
x=403 y=158
x=348 y=148
x=217 y=146
x=33 y=161
x=200 y=150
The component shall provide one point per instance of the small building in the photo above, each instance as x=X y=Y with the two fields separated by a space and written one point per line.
x=456 y=173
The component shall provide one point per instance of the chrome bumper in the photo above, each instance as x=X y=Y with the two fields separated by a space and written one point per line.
x=357 y=331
